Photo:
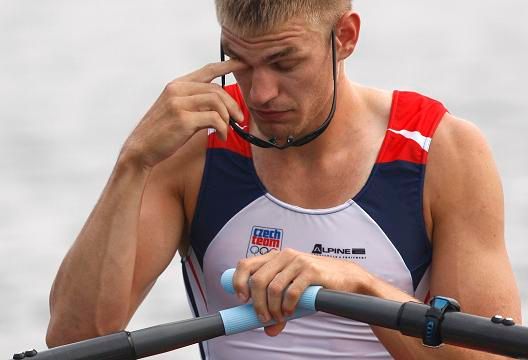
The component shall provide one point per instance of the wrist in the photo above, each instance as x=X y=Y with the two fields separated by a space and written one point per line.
x=367 y=284
x=131 y=162
x=132 y=159
x=371 y=285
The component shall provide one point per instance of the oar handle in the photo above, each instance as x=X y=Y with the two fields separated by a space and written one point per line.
x=243 y=318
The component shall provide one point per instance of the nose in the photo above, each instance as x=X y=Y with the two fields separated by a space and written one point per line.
x=264 y=87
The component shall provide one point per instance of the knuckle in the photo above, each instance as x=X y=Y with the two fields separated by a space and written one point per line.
x=288 y=309
x=174 y=107
x=243 y=264
x=300 y=258
x=217 y=97
x=218 y=118
x=216 y=87
x=172 y=87
x=258 y=281
x=275 y=289
x=293 y=293
x=213 y=98
x=290 y=252
x=208 y=68
x=309 y=265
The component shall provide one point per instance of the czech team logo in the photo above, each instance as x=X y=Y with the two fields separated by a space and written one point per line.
x=263 y=240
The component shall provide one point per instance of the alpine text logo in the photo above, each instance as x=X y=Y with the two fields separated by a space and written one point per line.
x=263 y=240
x=340 y=253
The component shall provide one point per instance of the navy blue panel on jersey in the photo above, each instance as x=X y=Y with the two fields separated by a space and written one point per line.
x=194 y=308
x=229 y=184
x=392 y=198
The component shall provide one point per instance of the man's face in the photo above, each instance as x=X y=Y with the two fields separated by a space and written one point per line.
x=288 y=84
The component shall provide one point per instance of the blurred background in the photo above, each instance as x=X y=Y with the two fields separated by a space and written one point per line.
x=76 y=76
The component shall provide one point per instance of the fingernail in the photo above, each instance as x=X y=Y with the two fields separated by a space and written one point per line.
x=262 y=318
x=240 y=116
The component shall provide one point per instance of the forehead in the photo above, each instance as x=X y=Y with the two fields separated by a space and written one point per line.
x=296 y=34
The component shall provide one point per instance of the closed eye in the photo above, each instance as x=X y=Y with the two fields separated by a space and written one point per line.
x=285 y=65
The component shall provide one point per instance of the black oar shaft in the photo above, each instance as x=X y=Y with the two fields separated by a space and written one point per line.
x=480 y=333
x=141 y=343
x=362 y=308
x=167 y=337
x=460 y=329
x=409 y=318
x=110 y=347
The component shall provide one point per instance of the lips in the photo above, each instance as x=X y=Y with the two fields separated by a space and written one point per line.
x=271 y=115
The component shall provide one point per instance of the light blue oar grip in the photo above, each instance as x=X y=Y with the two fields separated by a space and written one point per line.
x=243 y=318
x=227 y=281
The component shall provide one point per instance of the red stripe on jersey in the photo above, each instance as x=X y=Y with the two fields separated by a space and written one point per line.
x=234 y=142
x=397 y=147
x=427 y=298
x=197 y=282
x=414 y=113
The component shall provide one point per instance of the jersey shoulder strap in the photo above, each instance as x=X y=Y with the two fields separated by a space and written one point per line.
x=413 y=121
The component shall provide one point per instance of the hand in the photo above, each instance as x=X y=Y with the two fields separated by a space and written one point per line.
x=275 y=281
x=186 y=105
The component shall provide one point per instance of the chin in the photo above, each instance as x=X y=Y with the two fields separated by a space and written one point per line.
x=278 y=131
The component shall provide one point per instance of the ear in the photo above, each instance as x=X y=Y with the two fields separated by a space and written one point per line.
x=347 y=34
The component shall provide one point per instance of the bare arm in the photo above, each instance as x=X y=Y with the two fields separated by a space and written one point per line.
x=136 y=226
x=91 y=294
x=470 y=262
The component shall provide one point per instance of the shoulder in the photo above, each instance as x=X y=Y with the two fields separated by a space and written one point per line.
x=461 y=175
x=458 y=150
x=454 y=135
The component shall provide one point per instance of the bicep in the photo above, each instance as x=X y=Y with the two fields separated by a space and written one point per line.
x=470 y=260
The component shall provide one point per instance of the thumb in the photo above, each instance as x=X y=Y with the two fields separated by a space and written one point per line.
x=274 y=330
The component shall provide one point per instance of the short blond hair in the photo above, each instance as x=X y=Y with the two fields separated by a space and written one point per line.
x=253 y=17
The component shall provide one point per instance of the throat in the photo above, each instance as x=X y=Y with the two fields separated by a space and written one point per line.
x=315 y=186
x=335 y=167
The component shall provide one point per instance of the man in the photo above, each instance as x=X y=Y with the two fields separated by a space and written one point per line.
x=384 y=194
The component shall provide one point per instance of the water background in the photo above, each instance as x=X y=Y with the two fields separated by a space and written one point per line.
x=76 y=76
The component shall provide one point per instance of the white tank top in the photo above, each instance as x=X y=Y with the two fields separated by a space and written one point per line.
x=381 y=229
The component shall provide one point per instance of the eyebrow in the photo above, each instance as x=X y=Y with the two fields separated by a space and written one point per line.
x=270 y=58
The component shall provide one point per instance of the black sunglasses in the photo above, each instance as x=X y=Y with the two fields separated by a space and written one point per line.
x=271 y=143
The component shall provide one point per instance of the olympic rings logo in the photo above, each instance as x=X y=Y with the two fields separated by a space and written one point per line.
x=262 y=250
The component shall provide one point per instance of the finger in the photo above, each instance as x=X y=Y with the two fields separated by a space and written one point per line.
x=260 y=281
x=274 y=330
x=293 y=294
x=178 y=89
x=277 y=288
x=244 y=269
x=211 y=71
x=205 y=102
x=208 y=119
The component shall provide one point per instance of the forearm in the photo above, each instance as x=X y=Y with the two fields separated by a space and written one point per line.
x=93 y=285
x=405 y=347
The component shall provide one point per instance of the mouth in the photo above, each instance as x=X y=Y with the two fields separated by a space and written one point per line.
x=272 y=115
